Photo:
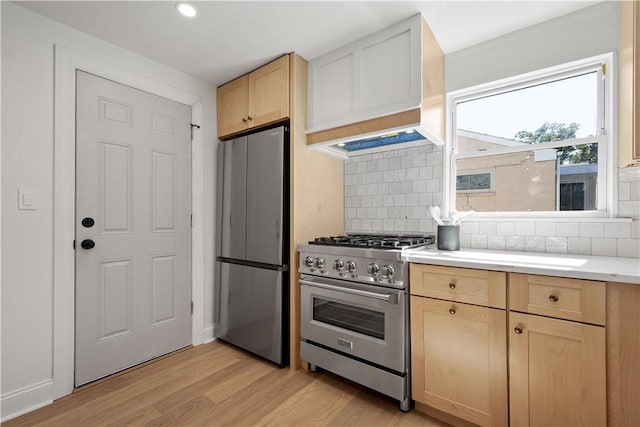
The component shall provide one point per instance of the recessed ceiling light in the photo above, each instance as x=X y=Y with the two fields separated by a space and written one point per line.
x=186 y=9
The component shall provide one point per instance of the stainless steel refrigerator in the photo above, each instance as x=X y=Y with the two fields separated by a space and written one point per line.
x=252 y=286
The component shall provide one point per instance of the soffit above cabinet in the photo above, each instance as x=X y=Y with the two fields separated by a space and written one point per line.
x=379 y=86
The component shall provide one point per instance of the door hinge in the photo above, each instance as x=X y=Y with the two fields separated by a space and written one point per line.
x=191 y=307
x=74 y=245
x=193 y=126
x=604 y=69
x=191 y=220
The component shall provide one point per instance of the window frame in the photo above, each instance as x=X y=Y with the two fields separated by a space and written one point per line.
x=606 y=135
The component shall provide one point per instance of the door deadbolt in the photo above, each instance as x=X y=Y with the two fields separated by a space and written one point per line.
x=88 y=222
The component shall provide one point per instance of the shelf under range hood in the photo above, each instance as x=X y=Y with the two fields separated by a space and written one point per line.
x=389 y=139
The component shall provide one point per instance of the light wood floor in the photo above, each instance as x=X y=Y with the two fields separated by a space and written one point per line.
x=218 y=385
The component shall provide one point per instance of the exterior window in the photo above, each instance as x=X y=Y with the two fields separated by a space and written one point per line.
x=532 y=144
x=474 y=182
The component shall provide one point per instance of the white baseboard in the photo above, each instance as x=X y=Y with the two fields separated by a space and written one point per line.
x=26 y=399
x=208 y=334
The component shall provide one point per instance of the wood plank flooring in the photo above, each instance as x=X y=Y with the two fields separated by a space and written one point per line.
x=219 y=385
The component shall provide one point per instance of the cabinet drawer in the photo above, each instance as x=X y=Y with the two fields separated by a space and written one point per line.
x=570 y=299
x=480 y=287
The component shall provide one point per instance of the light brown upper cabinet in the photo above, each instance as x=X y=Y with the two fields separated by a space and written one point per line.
x=393 y=78
x=255 y=99
x=629 y=119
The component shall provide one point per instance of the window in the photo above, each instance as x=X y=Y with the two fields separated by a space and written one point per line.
x=533 y=143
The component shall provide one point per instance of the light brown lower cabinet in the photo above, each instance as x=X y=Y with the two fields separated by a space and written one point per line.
x=557 y=372
x=459 y=362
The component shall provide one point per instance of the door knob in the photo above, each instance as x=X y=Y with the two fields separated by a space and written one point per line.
x=88 y=222
x=88 y=244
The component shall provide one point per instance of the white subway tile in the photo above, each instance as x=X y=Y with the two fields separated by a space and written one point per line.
x=525 y=228
x=604 y=247
x=556 y=245
x=362 y=213
x=545 y=229
x=534 y=243
x=383 y=213
x=413 y=199
x=377 y=200
x=629 y=209
x=617 y=230
x=406 y=187
x=506 y=228
x=434 y=158
x=624 y=191
x=394 y=163
x=356 y=179
x=394 y=188
x=407 y=162
x=377 y=225
x=394 y=212
x=400 y=175
x=489 y=228
x=383 y=188
x=400 y=225
x=437 y=171
x=377 y=156
x=635 y=229
x=383 y=164
x=496 y=243
x=417 y=212
x=568 y=229
x=470 y=227
x=352 y=213
x=361 y=190
x=388 y=225
x=479 y=241
x=419 y=186
x=372 y=212
x=366 y=225
x=413 y=174
x=361 y=167
x=413 y=225
x=356 y=201
x=420 y=159
x=366 y=201
x=388 y=200
x=426 y=172
x=400 y=200
x=465 y=240
x=356 y=225
x=372 y=166
x=629 y=248
x=515 y=243
x=579 y=245
x=634 y=193
x=426 y=199
x=372 y=189
x=591 y=229
x=389 y=176
x=426 y=226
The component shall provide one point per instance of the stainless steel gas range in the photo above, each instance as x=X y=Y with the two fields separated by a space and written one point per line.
x=354 y=316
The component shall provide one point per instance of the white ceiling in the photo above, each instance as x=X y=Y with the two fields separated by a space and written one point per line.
x=227 y=39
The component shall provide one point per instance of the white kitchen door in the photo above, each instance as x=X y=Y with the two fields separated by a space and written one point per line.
x=133 y=227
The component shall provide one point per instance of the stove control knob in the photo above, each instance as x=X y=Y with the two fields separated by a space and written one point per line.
x=308 y=262
x=338 y=265
x=373 y=269
x=320 y=262
x=351 y=267
x=387 y=271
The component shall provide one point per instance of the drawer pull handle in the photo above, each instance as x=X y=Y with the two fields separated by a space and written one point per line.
x=452 y=311
x=518 y=330
x=553 y=298
x=452 y=285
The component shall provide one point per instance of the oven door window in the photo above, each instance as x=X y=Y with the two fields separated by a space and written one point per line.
x=356 y=319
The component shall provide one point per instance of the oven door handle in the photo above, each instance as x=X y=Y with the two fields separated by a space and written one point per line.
x=390 y=298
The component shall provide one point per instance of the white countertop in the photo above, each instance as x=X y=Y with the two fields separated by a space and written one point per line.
x=612 y=269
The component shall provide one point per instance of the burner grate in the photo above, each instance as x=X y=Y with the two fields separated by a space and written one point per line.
x=374 y=241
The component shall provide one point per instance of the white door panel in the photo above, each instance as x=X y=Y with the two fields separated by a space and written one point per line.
x=133 y=172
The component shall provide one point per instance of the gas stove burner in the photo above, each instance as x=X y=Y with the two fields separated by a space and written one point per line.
x=375 y=241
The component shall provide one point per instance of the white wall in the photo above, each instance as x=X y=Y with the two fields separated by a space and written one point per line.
x=27 y=162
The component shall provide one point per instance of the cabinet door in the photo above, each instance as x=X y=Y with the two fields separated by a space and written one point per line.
x=556 y=372
x=458 y=354
x=269 y=93
x=233 y=100
x=629 y=93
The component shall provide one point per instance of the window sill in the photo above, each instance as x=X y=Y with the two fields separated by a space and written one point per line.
x=543 y=217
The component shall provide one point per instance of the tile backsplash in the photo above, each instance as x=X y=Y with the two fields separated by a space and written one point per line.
x=391 y=192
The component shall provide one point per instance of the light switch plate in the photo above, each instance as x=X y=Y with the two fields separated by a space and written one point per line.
x=26 y=199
